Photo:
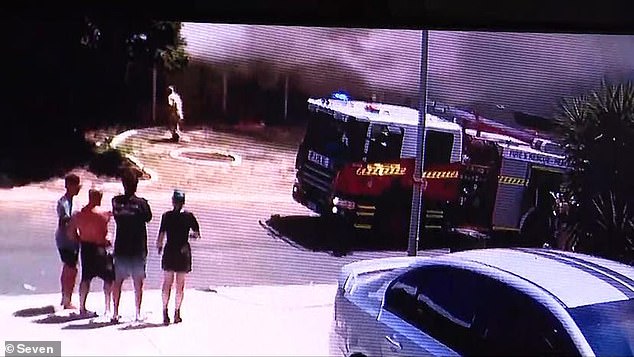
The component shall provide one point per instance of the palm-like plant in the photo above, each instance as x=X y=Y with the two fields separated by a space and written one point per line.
x=598 y=132
x=614 y=227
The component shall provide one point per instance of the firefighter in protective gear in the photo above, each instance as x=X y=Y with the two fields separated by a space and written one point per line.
x=175 y=113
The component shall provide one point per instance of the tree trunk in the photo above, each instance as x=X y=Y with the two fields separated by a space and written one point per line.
x=154 y=93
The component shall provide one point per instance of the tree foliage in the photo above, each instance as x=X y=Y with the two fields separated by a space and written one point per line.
x=76 y=72
x=122 y=52
x=598 y=133
x=141 y=41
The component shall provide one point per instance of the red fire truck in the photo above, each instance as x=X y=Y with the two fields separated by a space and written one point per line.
x=356 y=164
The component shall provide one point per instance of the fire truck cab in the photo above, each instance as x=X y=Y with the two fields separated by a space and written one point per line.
x=356 y=163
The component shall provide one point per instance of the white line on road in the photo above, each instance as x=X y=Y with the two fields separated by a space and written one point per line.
x=120 y=137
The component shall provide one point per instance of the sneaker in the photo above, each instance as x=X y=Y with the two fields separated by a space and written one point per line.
x=140 y=318
x=177 y=317
x=115 y=320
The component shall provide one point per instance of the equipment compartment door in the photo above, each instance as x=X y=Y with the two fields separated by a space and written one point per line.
x=508 y=200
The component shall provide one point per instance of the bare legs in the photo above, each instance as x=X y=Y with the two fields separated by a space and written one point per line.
x=67 y=281
x=84 y=289
x=180 y=293
x=116 y=298
x=168 y=281
x=107 y=292
x=138 y=295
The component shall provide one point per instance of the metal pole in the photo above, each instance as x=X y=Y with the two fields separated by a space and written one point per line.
x=286 y=98
x=417 y=197
x=154 y=93
x=224 y=92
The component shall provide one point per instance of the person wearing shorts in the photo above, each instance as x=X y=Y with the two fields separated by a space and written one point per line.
x=177 y=257
x=67 y=247
x=176 y=116
x=131 y=213
x=90 y=228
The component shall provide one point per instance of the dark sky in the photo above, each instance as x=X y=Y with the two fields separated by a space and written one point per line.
x=527 y=72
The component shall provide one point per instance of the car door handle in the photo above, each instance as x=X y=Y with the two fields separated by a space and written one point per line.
x=395 y=345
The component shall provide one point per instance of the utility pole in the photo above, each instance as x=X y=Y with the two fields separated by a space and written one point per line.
x=154 y=92
x=224 y=92
x=417 y=197
x=286 y=98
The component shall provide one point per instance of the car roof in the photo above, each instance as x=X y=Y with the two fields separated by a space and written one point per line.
x=573 y=279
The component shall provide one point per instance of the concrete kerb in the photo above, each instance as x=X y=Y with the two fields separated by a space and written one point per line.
x=115 y=142
x=118 y=139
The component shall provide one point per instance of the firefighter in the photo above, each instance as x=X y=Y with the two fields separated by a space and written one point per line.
x=175 y=116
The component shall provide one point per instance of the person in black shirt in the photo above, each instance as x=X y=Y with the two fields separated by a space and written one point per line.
x=131 y=213
x=177 y=257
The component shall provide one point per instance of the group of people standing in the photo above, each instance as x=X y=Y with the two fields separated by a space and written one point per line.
x=84 y=234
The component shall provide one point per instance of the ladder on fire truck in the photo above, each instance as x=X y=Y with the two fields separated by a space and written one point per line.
x=545 y=142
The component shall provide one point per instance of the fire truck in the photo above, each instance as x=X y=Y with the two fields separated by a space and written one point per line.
x=356 y=164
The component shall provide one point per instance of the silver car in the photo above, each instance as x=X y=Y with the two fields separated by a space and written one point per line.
x=507 y=302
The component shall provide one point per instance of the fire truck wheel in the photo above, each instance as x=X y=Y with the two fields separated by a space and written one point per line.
x=342 y=235
x=391 y=229
x=534 y=228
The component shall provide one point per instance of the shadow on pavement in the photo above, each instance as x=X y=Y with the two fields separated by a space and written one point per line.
x=142 y=326
x=89 y=326
x=57 y=319
x=318 y=234
x=162 y=141
x=35 y=311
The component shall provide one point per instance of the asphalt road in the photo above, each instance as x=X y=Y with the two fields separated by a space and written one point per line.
x=235 y=250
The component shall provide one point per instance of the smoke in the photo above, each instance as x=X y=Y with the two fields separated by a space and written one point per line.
x=524 y=71
x=528 y=72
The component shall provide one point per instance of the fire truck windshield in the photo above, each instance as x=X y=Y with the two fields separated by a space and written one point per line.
x=334 y=138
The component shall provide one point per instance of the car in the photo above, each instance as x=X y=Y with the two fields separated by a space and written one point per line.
x=496 y=301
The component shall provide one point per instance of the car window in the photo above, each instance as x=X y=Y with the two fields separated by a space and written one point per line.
x=385 y=143
x=474 y=314
x=373 y=283
x=608 y=327
x=400 y=297
x=439 y=301
x=438 y=147
x=512 y=323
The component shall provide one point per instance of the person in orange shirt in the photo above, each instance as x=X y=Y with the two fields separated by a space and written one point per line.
x=90 y=228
